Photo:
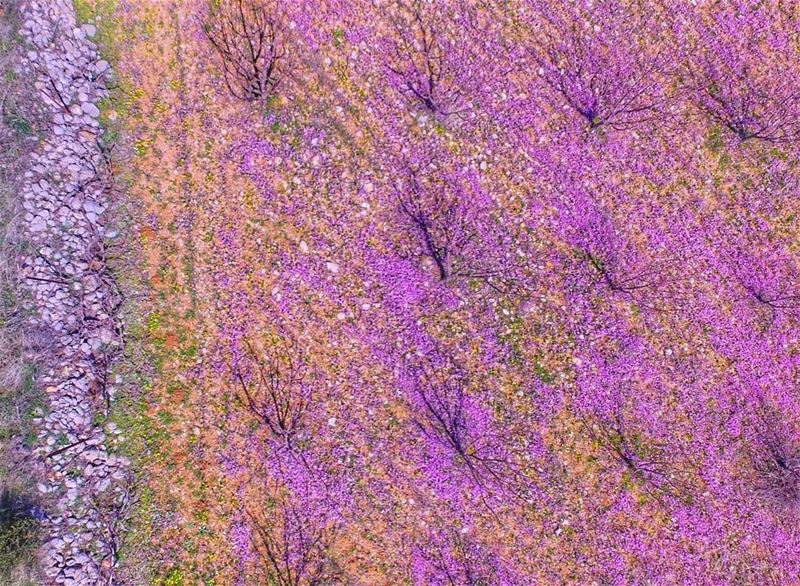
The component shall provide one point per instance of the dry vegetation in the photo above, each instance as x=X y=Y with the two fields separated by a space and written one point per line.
x=19 y=125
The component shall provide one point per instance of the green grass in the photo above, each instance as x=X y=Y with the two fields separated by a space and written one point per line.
x=18 y=123
x=173 y=578
x=19 y=538
x=714 y=140
x=90 y=10
x=19 y=397
x=102 y=14
x=543 y=374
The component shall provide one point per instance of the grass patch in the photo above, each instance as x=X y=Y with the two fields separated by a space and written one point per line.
x=20 y=401
x=19 y=537
x=543 y=374
x=18 y=123
x=101 y=13
x=173 y=578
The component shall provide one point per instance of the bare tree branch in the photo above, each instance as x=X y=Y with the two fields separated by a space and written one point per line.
x=246 y=34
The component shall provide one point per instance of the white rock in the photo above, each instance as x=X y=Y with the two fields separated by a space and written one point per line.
x=90 y=109
x=101 y=67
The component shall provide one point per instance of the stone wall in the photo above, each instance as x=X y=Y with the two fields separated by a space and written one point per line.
x=66 y=193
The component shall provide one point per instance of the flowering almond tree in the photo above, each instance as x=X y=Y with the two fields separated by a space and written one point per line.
x=426 y=63
x=737 y=74
x=274 y=385
x=246 y=36
x=601 y=66
x=449 y=218
x=456 y=428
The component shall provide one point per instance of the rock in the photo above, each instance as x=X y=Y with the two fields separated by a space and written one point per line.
x=60 y=211
x=90 y=109
x=101 y=67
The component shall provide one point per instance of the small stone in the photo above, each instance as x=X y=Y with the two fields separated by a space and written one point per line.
x=101 y=67
x=90 y=109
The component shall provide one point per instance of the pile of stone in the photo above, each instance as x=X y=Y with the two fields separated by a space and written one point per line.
x=74 y=318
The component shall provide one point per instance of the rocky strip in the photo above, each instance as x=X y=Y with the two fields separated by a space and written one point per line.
x=65 y=194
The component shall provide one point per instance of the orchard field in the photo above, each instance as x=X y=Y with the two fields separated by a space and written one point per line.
x=458 y=292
